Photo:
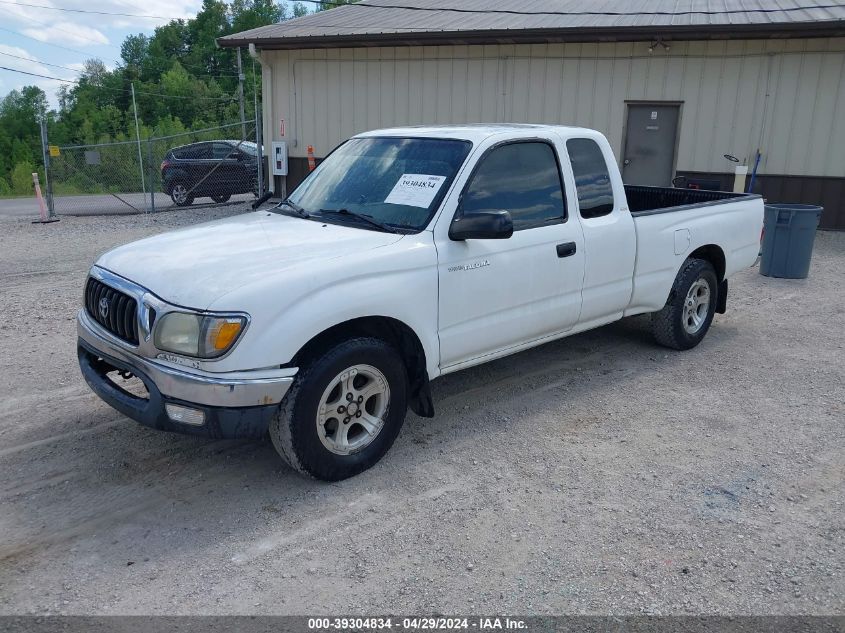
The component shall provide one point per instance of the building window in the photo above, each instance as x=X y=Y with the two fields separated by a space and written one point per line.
x=521 y=178
x=592 y=178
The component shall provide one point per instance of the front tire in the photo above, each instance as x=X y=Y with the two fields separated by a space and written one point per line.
x=343 y=411
x=181 y=195
x=684 y=320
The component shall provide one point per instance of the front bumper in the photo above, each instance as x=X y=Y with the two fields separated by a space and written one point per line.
x=239 y=404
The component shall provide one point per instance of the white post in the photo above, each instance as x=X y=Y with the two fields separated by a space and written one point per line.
x=740 y=171
x=138 y=137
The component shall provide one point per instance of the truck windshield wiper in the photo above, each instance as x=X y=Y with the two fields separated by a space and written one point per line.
x=364 y=218
x=294 y=207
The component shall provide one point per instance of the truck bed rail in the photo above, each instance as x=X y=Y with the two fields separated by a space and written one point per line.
x=643 y=199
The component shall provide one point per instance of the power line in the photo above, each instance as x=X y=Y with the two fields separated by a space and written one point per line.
x=124 y=15
x=35 y=61
x=35 y=39
x=58 y=28
x=114 y=13
x=24 y=72
x=148 y=94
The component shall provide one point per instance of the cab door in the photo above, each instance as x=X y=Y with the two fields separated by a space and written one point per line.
x=498 y=294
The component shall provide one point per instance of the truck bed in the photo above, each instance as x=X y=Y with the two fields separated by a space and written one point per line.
x=677 y=222
x=644 y=200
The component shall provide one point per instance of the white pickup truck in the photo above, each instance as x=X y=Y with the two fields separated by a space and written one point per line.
x=407 y=254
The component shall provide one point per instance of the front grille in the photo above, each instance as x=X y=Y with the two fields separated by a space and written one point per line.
x=121 y=310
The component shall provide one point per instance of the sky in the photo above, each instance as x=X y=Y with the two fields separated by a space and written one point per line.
x=36 y=34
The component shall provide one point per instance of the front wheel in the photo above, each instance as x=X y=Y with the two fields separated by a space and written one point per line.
x=687 y=315
x=180 y=195
x=343 y=411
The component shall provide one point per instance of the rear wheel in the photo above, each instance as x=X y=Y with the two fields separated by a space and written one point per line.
x=180 y=195
x=221 y=198
x=684 y=320
x=343 y=411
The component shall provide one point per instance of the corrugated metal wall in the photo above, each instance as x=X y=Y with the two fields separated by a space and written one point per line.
x=326 y=96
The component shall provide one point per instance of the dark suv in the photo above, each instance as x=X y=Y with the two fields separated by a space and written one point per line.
x=214 y=169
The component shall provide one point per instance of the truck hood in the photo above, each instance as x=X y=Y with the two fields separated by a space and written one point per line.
x=193 y=267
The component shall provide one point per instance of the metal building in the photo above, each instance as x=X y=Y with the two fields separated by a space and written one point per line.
x=674 y=84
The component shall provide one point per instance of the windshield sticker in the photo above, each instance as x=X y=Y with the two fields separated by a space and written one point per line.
x=415 y=190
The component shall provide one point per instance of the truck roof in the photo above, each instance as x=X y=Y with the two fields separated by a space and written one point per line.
x=469 y=131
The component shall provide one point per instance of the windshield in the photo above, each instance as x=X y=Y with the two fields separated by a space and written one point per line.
x=398 y=182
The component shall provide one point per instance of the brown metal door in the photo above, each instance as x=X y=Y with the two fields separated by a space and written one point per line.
x=650 y=141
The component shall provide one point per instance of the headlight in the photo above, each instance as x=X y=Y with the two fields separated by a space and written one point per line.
x=196 y=334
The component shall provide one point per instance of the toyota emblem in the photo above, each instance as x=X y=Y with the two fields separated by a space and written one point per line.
x=103 y=307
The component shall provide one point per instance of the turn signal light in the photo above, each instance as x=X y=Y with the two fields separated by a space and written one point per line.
x=224 y=333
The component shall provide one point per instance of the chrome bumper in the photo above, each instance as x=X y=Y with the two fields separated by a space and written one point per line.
x=231 y=390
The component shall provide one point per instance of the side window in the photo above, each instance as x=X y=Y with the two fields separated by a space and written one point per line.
x=199 y=151
x=522 y=178
x=592 y=179
x=223 y=150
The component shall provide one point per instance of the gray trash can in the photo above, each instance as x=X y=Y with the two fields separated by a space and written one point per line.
x=789 y=231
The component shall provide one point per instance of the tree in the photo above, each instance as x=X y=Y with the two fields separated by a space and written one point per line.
x=249 y=14
x=20 y=135
x=202 y=53
x=22 y=179
x=134 y=52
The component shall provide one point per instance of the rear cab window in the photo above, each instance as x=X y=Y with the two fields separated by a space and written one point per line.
x=592 y=177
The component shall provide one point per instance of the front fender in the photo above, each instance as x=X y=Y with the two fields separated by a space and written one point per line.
x=398 y=281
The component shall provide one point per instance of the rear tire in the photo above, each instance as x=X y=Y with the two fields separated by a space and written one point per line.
x=684 y=320
x=343 y=411
x=221 y=198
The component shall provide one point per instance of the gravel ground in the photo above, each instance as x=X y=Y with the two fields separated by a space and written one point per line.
x=598 y=474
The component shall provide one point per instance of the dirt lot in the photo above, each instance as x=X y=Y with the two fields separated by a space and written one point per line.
x=599 y=474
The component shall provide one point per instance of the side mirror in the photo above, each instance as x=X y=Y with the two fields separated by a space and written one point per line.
x=483 y=225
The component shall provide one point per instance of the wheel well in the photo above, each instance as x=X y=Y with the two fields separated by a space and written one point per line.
x=395 y=333
x=713 y=254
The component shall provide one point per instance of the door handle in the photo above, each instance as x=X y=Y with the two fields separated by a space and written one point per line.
x=566 y=249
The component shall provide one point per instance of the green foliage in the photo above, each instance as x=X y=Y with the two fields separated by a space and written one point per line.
x=5 y=188
x=21 y=178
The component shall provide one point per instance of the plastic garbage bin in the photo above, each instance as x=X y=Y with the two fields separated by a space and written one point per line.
x=789 y=231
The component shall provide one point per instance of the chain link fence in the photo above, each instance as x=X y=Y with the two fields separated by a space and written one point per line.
x=208 y=167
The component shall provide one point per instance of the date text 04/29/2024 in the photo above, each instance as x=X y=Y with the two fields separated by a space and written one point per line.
x=416 y=623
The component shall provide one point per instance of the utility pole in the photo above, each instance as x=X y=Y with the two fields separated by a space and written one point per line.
x=138 y=137
x=241 y=95
x=45 y=154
